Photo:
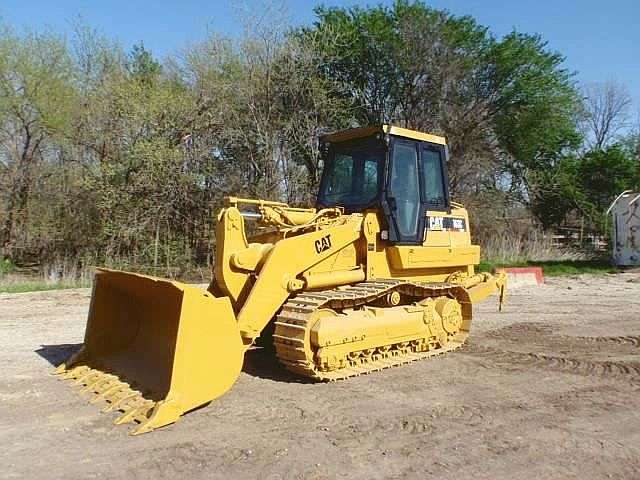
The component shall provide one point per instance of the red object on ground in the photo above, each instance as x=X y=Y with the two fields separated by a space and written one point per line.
x=523 y=275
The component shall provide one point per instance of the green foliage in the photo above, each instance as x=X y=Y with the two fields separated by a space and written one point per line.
x=385 y=59
x=556 y=191
x=599 y=176
x=560 y=267
x=133 y=172
x=39 y=286
x=357 y=48
x=535 y=124
x=630 y=145
x=586 y=183
x=428 y=69
x=142 y=66
x=36 y=80
x=6 y=266
x=38 y=100
x=119 y=158
x=603 y=174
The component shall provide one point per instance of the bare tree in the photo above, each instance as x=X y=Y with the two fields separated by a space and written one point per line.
x=35 y=104
x=607 y=108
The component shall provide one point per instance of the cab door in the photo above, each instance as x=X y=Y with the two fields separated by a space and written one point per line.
x=416 y=183
x=402 y=202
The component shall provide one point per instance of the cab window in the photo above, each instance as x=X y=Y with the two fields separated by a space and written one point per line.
x=433 y=179
x=352 y=175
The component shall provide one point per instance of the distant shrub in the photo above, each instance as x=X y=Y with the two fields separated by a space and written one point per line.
x=6 y=266
x=511 y=248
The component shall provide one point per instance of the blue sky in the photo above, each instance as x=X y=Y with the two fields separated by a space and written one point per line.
x=601 y=40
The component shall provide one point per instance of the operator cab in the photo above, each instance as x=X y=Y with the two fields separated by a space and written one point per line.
x=399 y=171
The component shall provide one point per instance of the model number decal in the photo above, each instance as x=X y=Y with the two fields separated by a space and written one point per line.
x=457 y=223
x=323 y=244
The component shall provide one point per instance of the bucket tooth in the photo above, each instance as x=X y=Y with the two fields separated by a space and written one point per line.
x=73 y=373
x=163 y=413
x=120 y=394
x=95 y=385
x=106 y=394
x=88 y=380
x=108 y=383
x=126 y=397
x=138 y=408
x=87 y=377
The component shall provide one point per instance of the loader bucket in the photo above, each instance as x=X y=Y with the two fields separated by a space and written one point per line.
x=154 y=348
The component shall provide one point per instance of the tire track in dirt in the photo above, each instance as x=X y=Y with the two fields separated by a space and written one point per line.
x=422 y=423
x=609 y=369
x=475 y=414
x=536 y=331
x=535 y=344
x=448 y=428
x=627 y=339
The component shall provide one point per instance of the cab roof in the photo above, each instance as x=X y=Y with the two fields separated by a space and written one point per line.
x=360 y=132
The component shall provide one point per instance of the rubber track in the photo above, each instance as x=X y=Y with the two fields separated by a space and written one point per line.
x=293 y=327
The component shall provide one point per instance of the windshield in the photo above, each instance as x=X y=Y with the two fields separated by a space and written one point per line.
x=352 y=175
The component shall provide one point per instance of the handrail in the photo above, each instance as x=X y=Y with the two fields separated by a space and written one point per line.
x=250 y=201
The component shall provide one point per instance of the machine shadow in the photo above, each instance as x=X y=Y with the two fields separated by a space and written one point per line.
x=258 y=362
x=56 y=354
x=262 y=363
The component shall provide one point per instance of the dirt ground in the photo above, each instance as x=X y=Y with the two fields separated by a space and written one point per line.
x=550 y=388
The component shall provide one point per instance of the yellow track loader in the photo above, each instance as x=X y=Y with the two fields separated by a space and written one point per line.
x=379 y=274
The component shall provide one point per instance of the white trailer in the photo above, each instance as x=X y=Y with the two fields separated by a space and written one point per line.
x=625 y=232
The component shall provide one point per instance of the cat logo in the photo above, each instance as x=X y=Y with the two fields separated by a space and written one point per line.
x=323 y=244
x=435 y=223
